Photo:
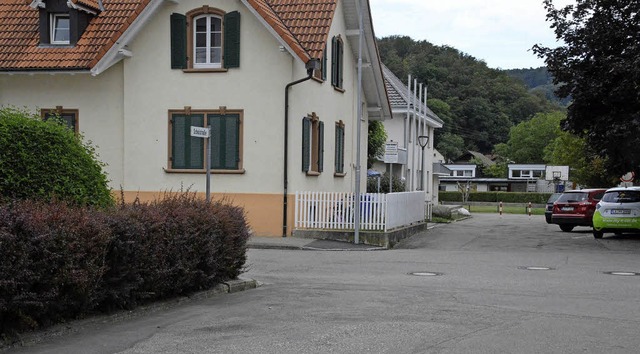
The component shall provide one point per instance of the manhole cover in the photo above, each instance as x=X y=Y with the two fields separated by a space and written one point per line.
x=425 y=274
x=624 y=274
x=536 y=268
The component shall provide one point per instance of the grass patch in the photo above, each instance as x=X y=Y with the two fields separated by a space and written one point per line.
x=437 y=219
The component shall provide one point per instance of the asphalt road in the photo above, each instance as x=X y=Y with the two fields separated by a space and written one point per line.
x=472 y=293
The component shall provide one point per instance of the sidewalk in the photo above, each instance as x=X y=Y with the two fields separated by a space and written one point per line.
x=296 y=243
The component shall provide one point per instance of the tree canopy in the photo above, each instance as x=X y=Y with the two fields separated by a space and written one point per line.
x=599 y=67
x=527 y=140
x=377 y=137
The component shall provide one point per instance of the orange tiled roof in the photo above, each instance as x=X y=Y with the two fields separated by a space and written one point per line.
x=302 y=24
x=92 y=4
x=19 y=36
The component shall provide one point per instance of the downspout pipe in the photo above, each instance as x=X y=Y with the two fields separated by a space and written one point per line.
x=311 y=66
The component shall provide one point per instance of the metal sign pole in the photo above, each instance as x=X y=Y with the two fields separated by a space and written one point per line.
x=205 y=133
x=208 y=166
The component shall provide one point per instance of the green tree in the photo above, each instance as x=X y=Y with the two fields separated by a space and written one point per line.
x=586 y=168
x=450 y=146
x=528 y=139
x=46 y=160
x=377 y=137
x=599 y=68
x=499 y=170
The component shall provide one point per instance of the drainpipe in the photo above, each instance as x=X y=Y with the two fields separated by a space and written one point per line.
x=311 y=66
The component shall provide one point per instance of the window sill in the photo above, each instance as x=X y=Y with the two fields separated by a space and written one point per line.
x=336 y=174
x=339 y=89
x=205 y=70
x=317 y=79
x=313 y=173
x=218 y=172
x=55 y=45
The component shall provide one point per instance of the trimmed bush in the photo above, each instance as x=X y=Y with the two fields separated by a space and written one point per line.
x=46 y=160
x=53 y=257
x=63 y=262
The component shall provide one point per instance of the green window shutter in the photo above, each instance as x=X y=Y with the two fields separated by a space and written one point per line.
x=320 y=146
x=339 y=163
x=340 y=63
x=306 y=144
x=178 y=41
x=324 y=63
x=232 y=40
x=225 y=143
x=341 y=149
x=233 y=142
x=187 y=152
x=334 y=61
x=217 y=141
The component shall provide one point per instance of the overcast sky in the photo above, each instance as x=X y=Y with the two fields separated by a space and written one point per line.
x=499 y=32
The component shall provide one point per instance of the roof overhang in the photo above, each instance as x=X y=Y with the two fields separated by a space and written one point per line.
x=298 y=55
x=119 y=49
x=373 y=87
x=44 y=72
x=429 y=120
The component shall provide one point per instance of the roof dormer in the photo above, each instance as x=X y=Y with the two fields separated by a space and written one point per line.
x=62 y=22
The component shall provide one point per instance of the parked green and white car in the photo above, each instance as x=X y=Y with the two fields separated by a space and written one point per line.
x=618 y=211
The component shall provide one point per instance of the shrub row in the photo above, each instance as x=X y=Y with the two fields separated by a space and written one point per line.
x=63 y=262
x=506 y=197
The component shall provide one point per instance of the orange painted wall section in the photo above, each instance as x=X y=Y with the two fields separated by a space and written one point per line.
x=263 y=211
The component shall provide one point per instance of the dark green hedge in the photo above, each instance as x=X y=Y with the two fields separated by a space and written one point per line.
x=505 y=197
x=46 y=160
x=62 y=262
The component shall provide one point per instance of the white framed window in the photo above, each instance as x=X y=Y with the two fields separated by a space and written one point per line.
x=462 y=173
x=207 y=34
x=60 y=29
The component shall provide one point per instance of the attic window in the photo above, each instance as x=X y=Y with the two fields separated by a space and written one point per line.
x=60 y=27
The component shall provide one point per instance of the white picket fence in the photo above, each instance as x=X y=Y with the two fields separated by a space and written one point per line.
x=378 y=212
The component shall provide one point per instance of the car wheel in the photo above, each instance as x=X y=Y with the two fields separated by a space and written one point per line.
x=597 y=234
x=566 y=228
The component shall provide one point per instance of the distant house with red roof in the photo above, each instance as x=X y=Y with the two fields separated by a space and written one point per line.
x=134 y=75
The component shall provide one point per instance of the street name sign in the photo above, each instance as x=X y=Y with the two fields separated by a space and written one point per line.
x=199 y=132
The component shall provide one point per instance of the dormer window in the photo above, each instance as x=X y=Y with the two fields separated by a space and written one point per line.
x=60 y=29
x=62 y=22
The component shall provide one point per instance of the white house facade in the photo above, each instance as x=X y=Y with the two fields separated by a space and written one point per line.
x=412 y=123
x=170 y=65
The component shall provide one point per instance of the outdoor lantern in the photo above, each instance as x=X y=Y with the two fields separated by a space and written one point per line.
x=423 y=140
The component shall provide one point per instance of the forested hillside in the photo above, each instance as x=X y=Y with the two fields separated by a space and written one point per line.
x=539 y=81
x=478 y=104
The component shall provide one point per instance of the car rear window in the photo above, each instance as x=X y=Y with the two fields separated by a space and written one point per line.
x=573 y=197
x=554 y=197
x=622 y=197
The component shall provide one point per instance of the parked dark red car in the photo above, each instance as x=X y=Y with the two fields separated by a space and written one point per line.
x=575 y=208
